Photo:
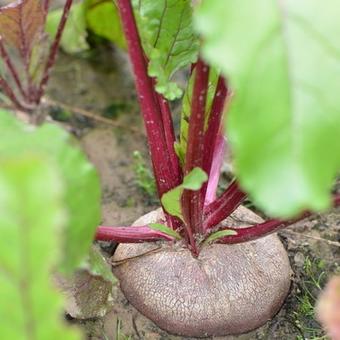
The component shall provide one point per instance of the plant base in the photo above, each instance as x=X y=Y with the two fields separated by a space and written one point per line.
x=228 y=289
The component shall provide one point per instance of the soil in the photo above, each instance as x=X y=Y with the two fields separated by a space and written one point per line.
x=103 y=85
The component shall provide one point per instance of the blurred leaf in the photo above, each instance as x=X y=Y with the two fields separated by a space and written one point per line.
x=22 y=31
x=98 y=266
x=282 y=59
x=171 y=200
x=74 y=36
x=8 y=122
x=82 y=195
x=20 y=23
x=219 y=234
x=31 y=217
x=165 y=229
x=82 y=189
x=103 y=19
x=39 y=56
x=168 y=39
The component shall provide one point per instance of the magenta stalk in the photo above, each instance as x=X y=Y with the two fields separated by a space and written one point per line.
x=146 y=97
x=215 y=170
x=170 y=138
x=258 y=230
x=221 y=208
x=263 y=229
x=161 y=160
x=192 y=201
x=130 y=234
x=214 y=125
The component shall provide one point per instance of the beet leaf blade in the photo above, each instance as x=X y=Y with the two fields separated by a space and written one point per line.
x=102 y=18
x=53 y=144
x=171 y=200
x=30 y=225
x=168 y=40
x=20 y=22
x=284 y=124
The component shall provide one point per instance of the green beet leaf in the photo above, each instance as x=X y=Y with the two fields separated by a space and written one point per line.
x=31 y=221
x=283 y=62
x=74 y=35
x=165 y=229
x=102 y=18
x=97 y=265
x=82 y=189
x=168 y=39
x=219 y=234
x=171 y=200
x=82 y=196
x=194 y=179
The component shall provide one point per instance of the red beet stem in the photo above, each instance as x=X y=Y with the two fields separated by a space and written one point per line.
x=268 y=227
x=192 y=201
x=221 y=208
x=212 y=135
x=130 y=234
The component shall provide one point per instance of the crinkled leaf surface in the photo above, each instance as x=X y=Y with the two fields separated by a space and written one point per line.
x=74 y=35
x=82 y=190
x=171 y=200
x=168 y=39
x=283 y=61
x=103 y=19
x=31 y=216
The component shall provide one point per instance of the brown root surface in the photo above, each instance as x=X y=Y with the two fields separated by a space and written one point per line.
x=228 y=289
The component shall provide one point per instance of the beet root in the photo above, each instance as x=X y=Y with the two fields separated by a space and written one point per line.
x=228 y=289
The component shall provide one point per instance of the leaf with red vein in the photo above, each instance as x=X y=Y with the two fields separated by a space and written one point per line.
x=20 y=22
